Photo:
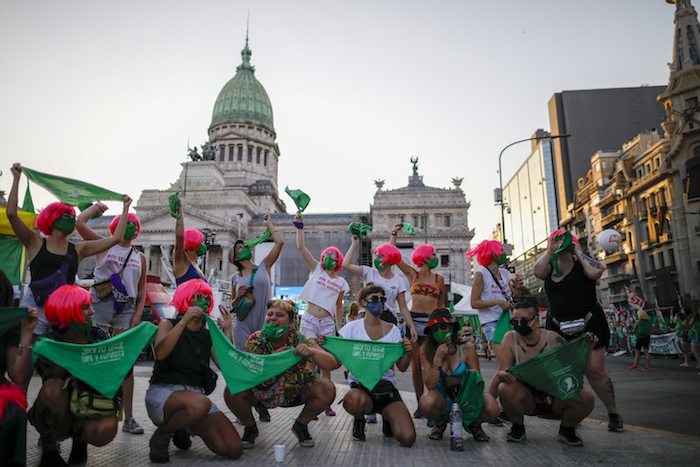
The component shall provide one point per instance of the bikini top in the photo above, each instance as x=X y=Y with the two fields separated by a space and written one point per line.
x=419 y=288
x=461 y=368
x=191 y=273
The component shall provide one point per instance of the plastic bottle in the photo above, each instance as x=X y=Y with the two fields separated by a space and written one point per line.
x=456 y=429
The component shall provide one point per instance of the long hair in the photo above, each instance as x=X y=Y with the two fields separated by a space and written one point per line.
x=339 y=255
x=391 y=254
x=131 y=217
x=193 y=238
x=48 y=215
x=353 y=311
x=422 y=254
x=185 y=292
x=65 y=305
x=232 y=256
x=430 y=344
x=485 y=252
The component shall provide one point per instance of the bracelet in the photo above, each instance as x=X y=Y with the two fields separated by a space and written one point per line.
x=273 y=231
x=393 y=233
x=22 y=347
x=298 y=225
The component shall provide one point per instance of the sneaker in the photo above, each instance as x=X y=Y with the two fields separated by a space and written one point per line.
x=386 y=428
x=78 y=454
x=516 y=434
x=132 y=426
x=568 y=435
x=372 y=418
x=615 y=423
x=160 y=441
x=633 y=367
x=647 y=368
x=418 y=414
x=302 y=433
x=330 y=412
x=181 y=439
x=263 y=413
x=497 y=422
x=684 y=365
x=249 y=435
x=358 y=430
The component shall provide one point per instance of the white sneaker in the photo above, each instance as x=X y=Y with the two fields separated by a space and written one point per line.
x=132 y=426
x=683 y=365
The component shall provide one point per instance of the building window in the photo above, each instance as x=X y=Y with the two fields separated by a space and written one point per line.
x=661 y=262
x=240 y=152
x=671 y=259
x=230 y=153
x=448 y=221
x=692 y=47
x=679 y=49
x=265 y=158
x=250 y=153
x=651 y=263
x=415 y=221
x=222 y=153
x=691 y=181
x=444 y=261
x=257 y=156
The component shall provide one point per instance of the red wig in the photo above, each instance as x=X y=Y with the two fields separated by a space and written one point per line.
x=131 y=217
x=485 y=252
x=339 y=255
x=391 y=254
x=422 y=254
x=554 y=234
x=185 y=292
x=48 y=215
x=65 y=305
x=193 y=238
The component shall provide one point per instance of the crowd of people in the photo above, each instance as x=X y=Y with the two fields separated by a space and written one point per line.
x=424 y=334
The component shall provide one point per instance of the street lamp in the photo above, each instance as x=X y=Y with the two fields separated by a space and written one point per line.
x=449 y=255
x=209 y=238
x=500 y=178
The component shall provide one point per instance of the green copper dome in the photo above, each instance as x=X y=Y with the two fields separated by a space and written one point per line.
x=243 y=97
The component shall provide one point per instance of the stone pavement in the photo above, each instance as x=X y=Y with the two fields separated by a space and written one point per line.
x=335 y=446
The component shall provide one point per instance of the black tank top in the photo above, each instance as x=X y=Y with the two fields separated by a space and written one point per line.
x=573 y=297
x=46 y=263
x=183 y=366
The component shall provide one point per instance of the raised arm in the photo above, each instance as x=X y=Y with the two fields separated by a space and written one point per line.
x=405 y=268
x=591 y=267
x=354 y=269
x=83 y=229
x=305 y=253
x=89 y=248
x=543 y=266
x=279 y=243
x=25 y=235
x=180 y=261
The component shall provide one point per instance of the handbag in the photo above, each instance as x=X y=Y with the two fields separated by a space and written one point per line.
x=86 y=402
x=243 y=305
x=42 y=288
x=210 y=376
x=103 y=289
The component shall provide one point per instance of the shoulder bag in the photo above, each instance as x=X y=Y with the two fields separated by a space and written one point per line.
x=243 y=305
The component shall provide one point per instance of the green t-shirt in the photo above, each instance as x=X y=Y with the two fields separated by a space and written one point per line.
x=644 y=328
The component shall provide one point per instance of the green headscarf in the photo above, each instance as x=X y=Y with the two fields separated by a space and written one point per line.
x=409 y=229
x=174 y=204
x=566 y=239
x=300 y=198
x=358 y=228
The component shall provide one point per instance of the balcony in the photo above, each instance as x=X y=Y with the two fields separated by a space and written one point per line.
x=665 y=237
x=616 y=257
x=615 y=278
x=608 y=200
x=645 y=245
x=612 y=219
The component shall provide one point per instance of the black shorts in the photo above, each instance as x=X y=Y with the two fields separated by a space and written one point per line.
x=382 y=395
x=643 y=342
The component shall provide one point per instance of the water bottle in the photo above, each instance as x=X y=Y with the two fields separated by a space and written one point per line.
x=456 y=429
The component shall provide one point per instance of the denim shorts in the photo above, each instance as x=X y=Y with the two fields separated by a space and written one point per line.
x=488 y=330
x=158 y=394
x=43 y=326
x=104 y=314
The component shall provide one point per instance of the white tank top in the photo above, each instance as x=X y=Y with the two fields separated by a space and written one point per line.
x=113 y=262
x=491 y=291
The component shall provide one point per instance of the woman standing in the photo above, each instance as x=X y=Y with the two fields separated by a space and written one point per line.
x=323 y=292
x=131 y=265
x=642 y=330
x=427 y=294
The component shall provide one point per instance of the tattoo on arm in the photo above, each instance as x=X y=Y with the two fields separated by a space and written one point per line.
x=592 y=262
x=538 y=266
x=139 y=299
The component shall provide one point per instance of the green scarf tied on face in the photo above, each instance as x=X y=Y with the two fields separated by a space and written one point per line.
x=358 y=228
x=409 y=229
x=300 y=198
x=566 y=239
x=174 y=204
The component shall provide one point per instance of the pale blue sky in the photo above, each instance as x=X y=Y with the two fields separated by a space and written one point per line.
x=111 y=92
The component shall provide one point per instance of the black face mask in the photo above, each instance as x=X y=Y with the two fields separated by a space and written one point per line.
x=523 y=329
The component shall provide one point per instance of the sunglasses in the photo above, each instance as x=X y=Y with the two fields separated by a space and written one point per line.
x=521 y=321
x=200 y=296
x=444 y=326
x=375 y=299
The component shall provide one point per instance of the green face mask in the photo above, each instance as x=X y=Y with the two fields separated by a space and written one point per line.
x=432 y=263
x=329 y=264
x=130 y=232
x=203 y=304
x=67 y=226
x=80 y=328
x=501 y=259
x=245 y=254
x=201 y=249
x=274 y=331
x=442 y=336
x=378 y=264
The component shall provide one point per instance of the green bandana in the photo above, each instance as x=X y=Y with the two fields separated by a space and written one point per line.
x=69 y=191
x=274 y=331
x=358 y=228
x=409 y=229
x=174 y=204
x=559 y=371
x=245 y=254
x=442 y=336
x=257 y=241
x=130 y=232
x=201 y=249
x=102 y=365
x=366 y=360
x=329 y=264
x=380 y=265
x=243 y=370
x=501 y=259
x=67 y=226
x=432 y=263
x=566 y=238
x=80 y=328
x=203 y=304
x=300 y=198
x=470 y=396
x=10 y=317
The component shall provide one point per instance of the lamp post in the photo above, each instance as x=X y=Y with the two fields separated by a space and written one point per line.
x=209 y=238
x=500 y=177
x=449 y=255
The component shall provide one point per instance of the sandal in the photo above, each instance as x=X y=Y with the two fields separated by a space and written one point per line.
x=478 y=433
x=437 y=431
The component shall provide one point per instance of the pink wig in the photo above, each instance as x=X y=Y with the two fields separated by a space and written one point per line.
x=65 y=305
x=485 y=252
x=48 y=215
x=422 y=254
x=193 y=238
x=339 y=255
x=554 y=234
x=185 y=292
x=391 y=254
x=131 y=217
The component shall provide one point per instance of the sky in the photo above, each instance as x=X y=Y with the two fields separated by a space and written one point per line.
x=112 y=92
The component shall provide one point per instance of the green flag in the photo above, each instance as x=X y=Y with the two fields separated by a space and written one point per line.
x=366 y=360
x=470 y=396
x=28 y=205
x=358 y=228
x=260 y=239
x=243 y=370
x=10 y=317
x=559 y=371
x=409 y=229
x=174 y=204
x=300 y=198
x=102 y=365
x=69 y=191
x=12 y=255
